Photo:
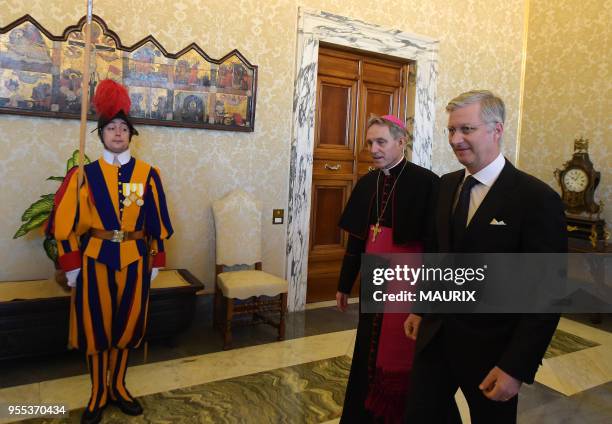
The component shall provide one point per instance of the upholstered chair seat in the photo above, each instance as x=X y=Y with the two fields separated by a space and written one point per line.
x=249 y=283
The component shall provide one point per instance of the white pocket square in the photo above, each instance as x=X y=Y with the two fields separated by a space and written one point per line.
x=496 y=222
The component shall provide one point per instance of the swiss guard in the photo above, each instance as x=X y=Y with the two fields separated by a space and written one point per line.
x=110 y=234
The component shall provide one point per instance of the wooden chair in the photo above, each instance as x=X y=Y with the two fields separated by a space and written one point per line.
x=246 y=292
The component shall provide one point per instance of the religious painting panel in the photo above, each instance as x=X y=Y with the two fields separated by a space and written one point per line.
x=190 y=106
x=25 y=69
x=41 y=74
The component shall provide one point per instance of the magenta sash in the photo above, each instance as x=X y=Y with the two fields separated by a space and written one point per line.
x=391 y=380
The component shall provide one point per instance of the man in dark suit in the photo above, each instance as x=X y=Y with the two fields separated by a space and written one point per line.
x=487 y=207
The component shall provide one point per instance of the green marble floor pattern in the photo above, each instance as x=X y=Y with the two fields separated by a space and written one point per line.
x=563 y=343
x=312 y=392
x=307 y=393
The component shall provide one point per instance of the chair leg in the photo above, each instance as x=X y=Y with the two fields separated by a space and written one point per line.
x=227 y=333
x=217 y=309
x=255 y=315
x=283 y=309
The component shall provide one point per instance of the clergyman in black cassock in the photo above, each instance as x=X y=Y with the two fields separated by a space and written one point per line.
x=392 y=205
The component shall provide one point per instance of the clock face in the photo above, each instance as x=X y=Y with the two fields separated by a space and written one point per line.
x=575 y=180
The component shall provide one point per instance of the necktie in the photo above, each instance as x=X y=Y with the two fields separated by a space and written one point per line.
x=116 y=161
x=459 y=221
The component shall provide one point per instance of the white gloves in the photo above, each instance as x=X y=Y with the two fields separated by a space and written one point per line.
x=154 y=273
x=72 y=276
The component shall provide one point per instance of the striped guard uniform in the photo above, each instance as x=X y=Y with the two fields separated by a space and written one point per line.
x=109 y=305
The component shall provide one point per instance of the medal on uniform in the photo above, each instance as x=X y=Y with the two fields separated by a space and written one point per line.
x=132 y=193
x=138 y=189
x=126 y=194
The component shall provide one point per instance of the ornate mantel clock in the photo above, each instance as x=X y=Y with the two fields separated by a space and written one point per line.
x=578 y=180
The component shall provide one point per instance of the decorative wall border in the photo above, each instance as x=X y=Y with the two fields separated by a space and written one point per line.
x=184 y=89
x=315 y=26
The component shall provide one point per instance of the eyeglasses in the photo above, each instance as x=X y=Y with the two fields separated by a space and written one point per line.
x=464 y=129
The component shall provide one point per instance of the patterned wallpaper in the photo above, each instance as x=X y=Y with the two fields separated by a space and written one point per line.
x=480 y=45
x=568 y=87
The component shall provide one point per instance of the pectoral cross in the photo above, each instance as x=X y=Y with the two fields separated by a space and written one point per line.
x=375 y=231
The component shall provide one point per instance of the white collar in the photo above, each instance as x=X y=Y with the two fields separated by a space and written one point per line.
x=489 y=173
x=123 y=157
x=387 y=171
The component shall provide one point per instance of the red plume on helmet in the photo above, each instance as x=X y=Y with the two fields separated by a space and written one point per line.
x=112 y=101
x=110 y=98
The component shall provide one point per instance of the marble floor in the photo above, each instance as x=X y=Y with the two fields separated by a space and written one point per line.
x=299 y=380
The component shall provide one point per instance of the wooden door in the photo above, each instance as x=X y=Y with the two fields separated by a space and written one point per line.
x=350 y=87
x=383 y=92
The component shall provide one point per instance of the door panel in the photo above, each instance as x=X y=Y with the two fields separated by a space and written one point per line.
x=378 y=100
x=329 y=197
x=338 y=64
x=335 y=107
x=327 y=241
x=335 y=122
x=382 y=72
x=350 y=87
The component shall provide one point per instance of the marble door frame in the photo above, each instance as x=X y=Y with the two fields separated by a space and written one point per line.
x=315 y=26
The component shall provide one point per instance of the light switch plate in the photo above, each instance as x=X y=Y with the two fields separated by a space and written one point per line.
x=278 y=216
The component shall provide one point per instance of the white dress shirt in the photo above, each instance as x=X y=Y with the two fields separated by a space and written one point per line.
x=486 y=177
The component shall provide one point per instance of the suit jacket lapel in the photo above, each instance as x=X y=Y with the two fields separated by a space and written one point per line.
x=448 y=190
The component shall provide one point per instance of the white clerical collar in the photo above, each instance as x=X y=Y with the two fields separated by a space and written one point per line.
x=123 y=157
x=387 y=171
x=489 y=173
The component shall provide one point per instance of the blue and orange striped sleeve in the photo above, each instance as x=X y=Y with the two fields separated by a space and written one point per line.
x=63 y=222
x=157 y=222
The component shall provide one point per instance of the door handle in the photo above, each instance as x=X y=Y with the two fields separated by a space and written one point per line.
x=332 y=167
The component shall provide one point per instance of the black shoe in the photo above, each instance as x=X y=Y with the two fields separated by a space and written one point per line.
x=127 y=407
x=94 y=417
